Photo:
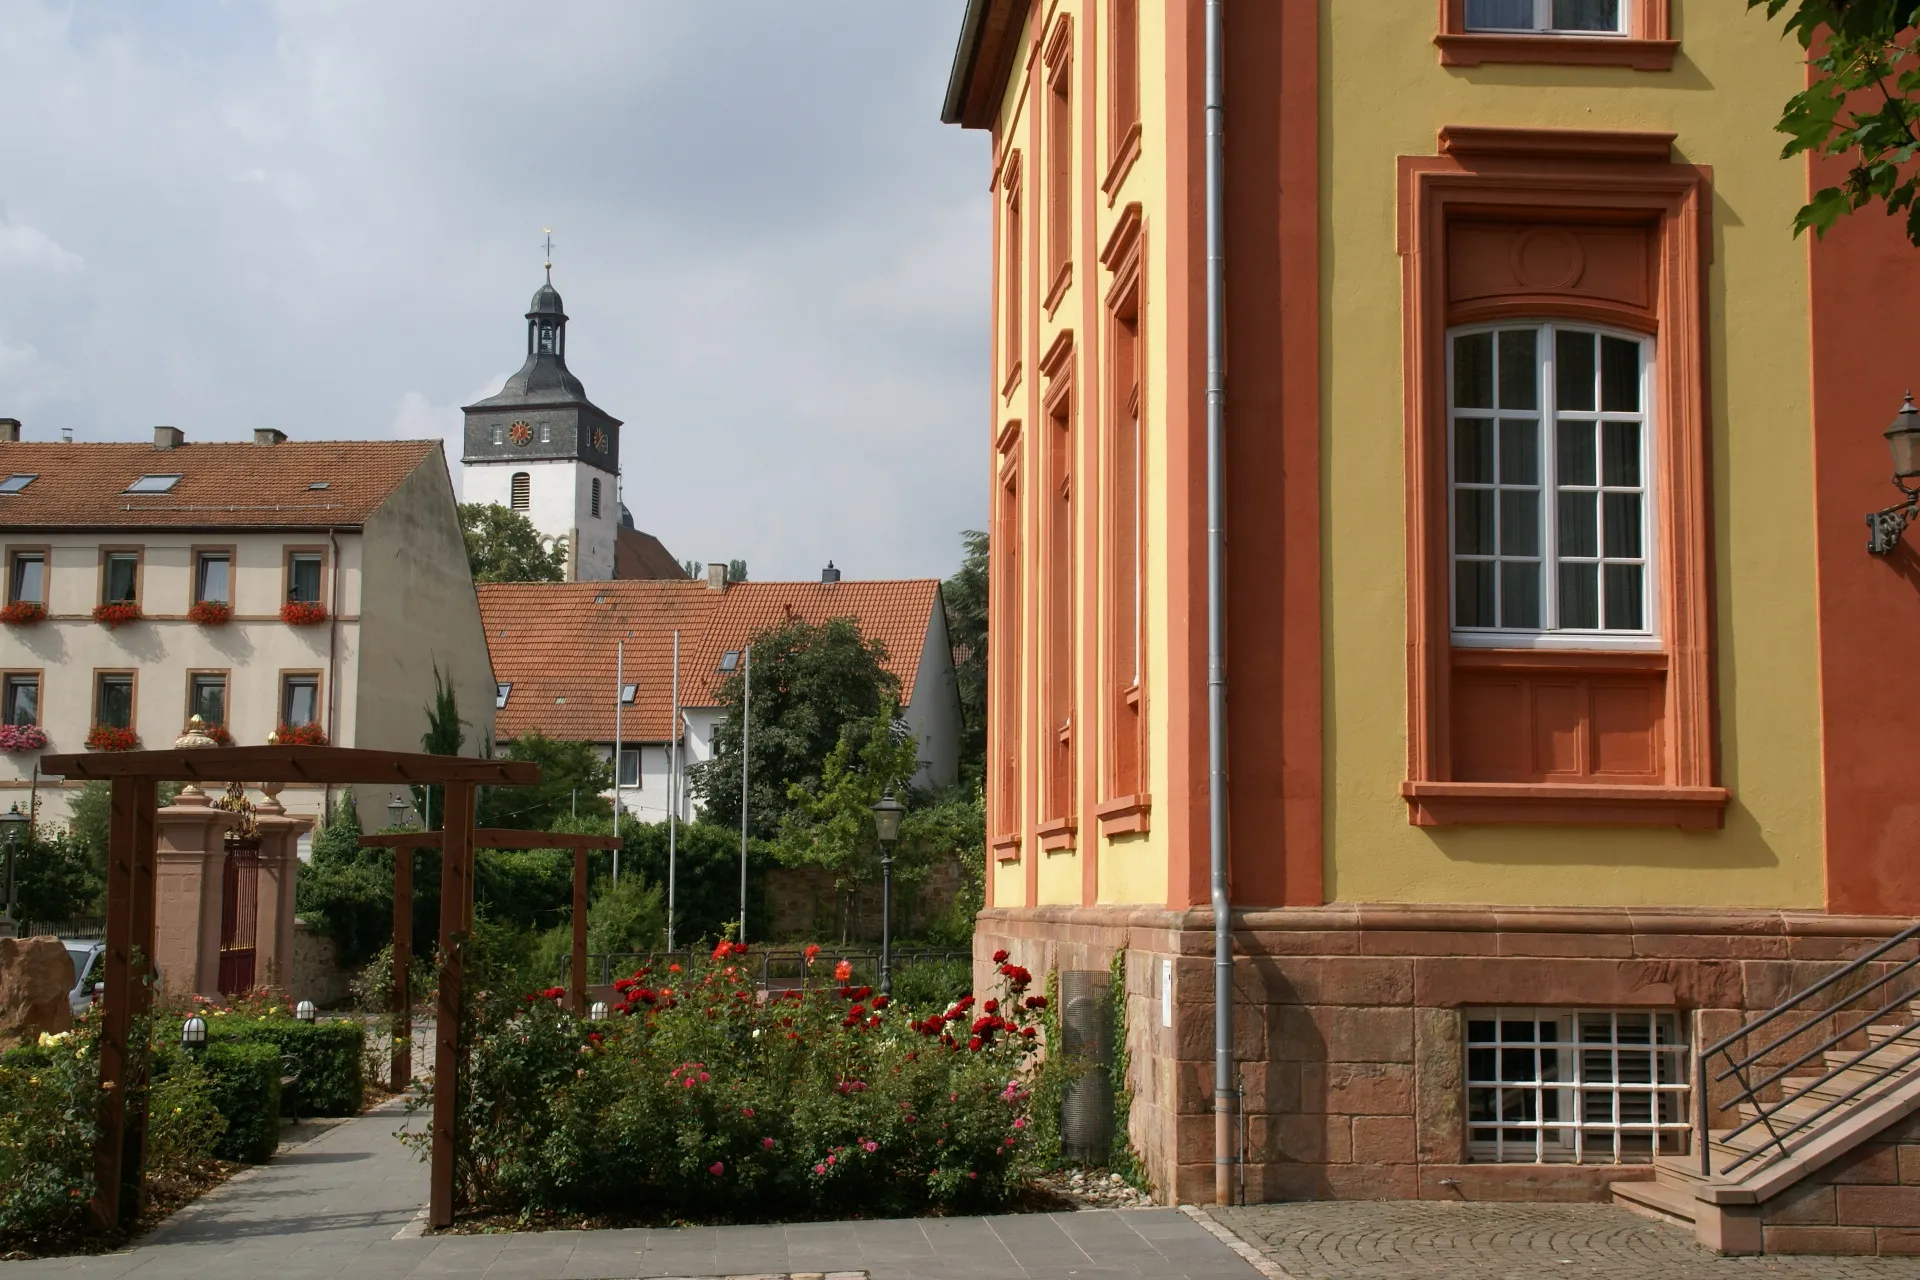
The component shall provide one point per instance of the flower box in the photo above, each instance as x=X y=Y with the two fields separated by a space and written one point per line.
x=22 y=737
x=23 y=613
x=218 y=732
x=211 y=613
x=116 y=613
x=106 y=737
x=310 y=734
x=303 y=613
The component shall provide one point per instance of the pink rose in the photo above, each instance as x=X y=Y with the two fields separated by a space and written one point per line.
x=767 y=1143
x=716 y=1168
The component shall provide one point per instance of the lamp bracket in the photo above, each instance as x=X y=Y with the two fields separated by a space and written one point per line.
x=1885 y=527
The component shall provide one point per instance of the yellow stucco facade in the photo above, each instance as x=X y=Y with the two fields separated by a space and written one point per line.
x=1384 y=94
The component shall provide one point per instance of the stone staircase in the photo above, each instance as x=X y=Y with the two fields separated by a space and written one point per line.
x=1814 y=1164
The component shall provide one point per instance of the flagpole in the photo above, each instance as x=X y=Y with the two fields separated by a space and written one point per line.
x=673 y=785
x=746 y=711
x=619 y=675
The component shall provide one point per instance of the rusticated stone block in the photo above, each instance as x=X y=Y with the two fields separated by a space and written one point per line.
x=1273 y=1086
x=1513 y=980
x=1357 y=1088
x=1909 y=1157
x=1896 y=1242
x=1807 y=1204
x=1338 y=980
x=1439 y=1086
x=1308 y=1139
x=1383 y=1140
x=1342 y=1182
x=1558 y=1183
x=1829 y=1240
x=1417 y=942
x=1589 y=945
x=1869 y=1164
x=1366 y=1034
x=1877 y=1206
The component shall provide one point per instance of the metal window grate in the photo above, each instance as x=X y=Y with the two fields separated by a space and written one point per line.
x=1575 y=1086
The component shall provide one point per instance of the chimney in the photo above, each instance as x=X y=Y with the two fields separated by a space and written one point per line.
x=717 y=575
x=9 y=431
x=168 y=437
x=66 y=435
x=269 y=435
x=829 y=574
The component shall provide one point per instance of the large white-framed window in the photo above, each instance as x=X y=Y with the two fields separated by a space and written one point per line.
x=1551 y=486
x=1548 y=17
x=1575 y=1086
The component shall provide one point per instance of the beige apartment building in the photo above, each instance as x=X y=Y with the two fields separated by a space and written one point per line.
x=304 y=589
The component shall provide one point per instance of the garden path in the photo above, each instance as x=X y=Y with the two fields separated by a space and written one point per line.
x=334 y=1205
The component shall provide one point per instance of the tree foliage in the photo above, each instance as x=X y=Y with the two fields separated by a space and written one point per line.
x=347 y=891
x=829 y=822
x=1862 y=105
x=446 y=733
x=572 y=777
x=809 y=682
x=503 y=546
x=56 y=877
x=965 y=594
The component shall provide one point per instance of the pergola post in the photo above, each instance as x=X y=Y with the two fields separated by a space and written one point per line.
x=577 y=976
x=119 y=1158
x=456 y=922
x=400 y=1069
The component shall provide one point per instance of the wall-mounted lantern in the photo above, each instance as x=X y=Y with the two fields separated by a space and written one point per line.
x=1903 y=442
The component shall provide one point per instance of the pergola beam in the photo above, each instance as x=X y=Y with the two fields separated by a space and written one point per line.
x=291 y=764
x=491 y=838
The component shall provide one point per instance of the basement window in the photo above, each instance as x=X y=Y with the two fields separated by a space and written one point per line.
x=1575 y=1086
x=15 y=483
x=153 y=484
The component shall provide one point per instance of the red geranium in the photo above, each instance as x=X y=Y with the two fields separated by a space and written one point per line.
x=303 y=613
x=23 y=613
x=310 y=734
x=211 y=613
x=107 y=737
x=116 y=613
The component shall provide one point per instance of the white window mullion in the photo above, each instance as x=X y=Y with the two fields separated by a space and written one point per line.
x=1549 y=477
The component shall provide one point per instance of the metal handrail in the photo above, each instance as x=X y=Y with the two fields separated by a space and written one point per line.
x=784 y=957
x=1767 y=1114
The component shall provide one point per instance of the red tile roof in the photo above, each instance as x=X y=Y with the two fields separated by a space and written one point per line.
x=222 y=485
x=556 y=643
x=641 y=555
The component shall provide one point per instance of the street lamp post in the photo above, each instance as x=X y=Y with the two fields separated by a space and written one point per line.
x=13 y=833
x=886 y=825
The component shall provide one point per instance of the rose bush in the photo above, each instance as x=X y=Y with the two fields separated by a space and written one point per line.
x=700 y=1099
x=49 y=1100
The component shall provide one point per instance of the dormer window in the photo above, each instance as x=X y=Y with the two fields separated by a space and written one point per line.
x=153 y=484
x=1546 y=17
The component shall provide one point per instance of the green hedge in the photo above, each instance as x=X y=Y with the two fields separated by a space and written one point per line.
x=246 y=1092
x=325 y=1055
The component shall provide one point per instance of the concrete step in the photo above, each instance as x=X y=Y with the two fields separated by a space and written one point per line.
x=1658 y=1200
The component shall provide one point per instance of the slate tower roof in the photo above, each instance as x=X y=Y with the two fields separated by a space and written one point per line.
x=543 y=412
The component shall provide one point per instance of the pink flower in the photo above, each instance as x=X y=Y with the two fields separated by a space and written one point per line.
x=767 y=1143
x=689 y=1082
x=747 y=1112
x=832 y=1159
x=871 y=1146
x=716 y=1168
x=1020 y=1123
x=820 y=1168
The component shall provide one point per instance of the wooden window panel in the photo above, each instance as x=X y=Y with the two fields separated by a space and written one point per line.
x=1599 y=739
x=1058 y=123
x=1057 y=666
x=1005 y=666
x=1125 y=805
x=1013 y=257
x=1123 y=93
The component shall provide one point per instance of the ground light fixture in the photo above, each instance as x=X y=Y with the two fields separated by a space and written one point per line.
x=886 y=825
x=304 y=1011
x=13 y=834
x=1903 y=442
x=193 y=1032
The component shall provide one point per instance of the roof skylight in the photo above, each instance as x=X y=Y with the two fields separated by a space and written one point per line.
x=500 y=692
x=730 y=659
x=15 y=483
x=628 y=692
x=319 y=484
x=153 y=484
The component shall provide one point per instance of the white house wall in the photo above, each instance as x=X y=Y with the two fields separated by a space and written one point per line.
x=559 y=505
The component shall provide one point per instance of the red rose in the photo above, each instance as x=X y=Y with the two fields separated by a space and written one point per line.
x=974 y=1043
x=1000 y=956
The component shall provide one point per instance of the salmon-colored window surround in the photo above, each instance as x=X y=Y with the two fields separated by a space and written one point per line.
x=1123 y=92
x=1644 y=45
x=1057 y=667
x=1590 y=228
x=1059 y=160
x=1004 y=667
x=1125 y=805
x=1012 y=258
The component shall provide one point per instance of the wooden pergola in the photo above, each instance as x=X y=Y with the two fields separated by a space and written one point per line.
x=404 y=844
x=120 y=1158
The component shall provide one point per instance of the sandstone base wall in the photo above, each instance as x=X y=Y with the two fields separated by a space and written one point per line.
x=1349 y=1034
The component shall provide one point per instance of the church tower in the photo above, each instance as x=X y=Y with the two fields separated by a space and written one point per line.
x=543 y=449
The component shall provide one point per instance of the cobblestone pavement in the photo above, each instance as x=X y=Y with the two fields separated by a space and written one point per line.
x=1433 y=1240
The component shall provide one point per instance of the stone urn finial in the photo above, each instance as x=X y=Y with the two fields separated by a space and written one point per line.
x=196 y=736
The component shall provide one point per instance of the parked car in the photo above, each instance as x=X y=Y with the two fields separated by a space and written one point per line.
x=89 y=966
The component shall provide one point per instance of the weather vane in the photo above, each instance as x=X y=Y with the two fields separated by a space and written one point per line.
x=547 y=244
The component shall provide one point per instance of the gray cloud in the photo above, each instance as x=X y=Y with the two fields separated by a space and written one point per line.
x=324 y=215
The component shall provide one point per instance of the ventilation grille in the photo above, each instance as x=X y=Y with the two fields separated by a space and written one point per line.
x=1086 y=1037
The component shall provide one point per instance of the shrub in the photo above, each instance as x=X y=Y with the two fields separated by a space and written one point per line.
x=184 y=1127
x=116 y=613
x=110 y=737
x=246 y=1090
x=932 y=984
x=703 y=1102
x=325 y=1055
x=23 y=613
x=49 y=1093
x=303 y=613
x=22 y=737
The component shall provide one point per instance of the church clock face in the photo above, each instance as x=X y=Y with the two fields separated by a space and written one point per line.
x=520 y=433
x=599 y=440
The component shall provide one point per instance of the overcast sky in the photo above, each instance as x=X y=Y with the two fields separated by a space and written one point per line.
x=325 y=216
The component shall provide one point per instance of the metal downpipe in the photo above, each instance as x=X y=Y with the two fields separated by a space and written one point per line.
x=1224 y=1153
